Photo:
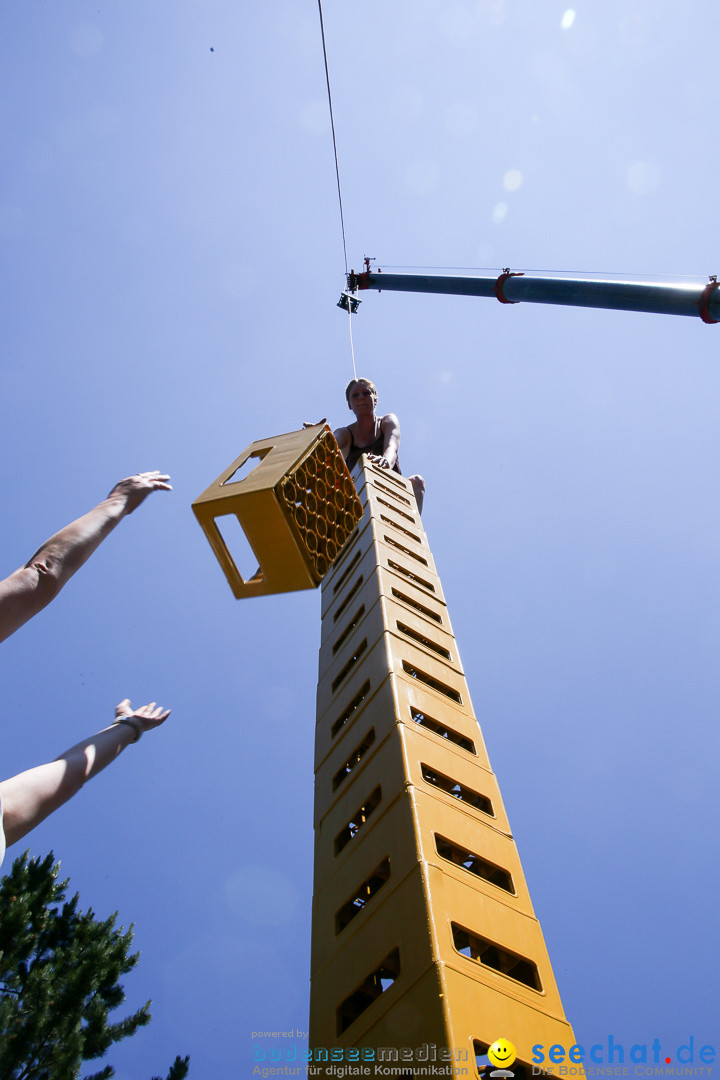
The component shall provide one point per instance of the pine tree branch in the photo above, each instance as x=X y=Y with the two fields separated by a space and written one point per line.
x=59 y=979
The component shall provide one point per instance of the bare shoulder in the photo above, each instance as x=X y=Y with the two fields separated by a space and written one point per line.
x=390 y=422
x=342 y=437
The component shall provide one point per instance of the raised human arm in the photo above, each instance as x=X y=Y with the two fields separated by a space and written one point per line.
x=31 y=796
x=31 y=588
x=390 y=427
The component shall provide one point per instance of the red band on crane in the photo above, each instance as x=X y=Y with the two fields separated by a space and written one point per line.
x=705 y=300
x=360 y=281
x=507 y=273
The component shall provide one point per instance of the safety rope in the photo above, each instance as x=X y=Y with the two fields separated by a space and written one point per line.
x=337 y=177
x=352 y=350
x=332 y=125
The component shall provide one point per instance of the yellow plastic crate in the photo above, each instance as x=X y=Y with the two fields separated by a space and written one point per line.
x=297 y=509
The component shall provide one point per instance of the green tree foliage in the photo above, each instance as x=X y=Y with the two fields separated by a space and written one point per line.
x=59 y=972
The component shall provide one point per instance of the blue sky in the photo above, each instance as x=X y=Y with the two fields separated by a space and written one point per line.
x=173 y=257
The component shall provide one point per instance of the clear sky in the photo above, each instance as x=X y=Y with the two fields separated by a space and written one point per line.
x=173 y=257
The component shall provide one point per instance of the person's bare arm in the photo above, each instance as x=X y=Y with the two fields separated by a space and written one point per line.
x=391 y=444
x=31 y=588
x=33 y=795
x=344 y=440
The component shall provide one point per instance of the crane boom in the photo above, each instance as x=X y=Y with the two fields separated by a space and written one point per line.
x=513 y=287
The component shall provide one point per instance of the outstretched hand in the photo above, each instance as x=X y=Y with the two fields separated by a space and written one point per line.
x=136 y=488
x=149 y=716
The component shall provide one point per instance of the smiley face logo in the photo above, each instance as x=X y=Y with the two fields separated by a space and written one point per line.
x=502 y=1053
